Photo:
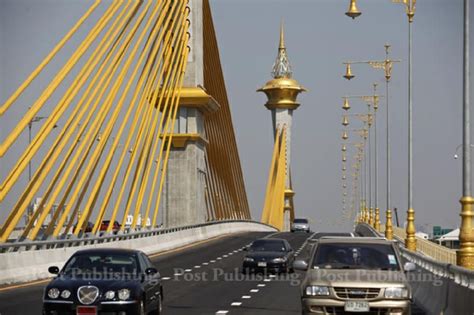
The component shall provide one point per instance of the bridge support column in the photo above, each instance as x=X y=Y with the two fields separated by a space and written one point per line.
x=184 y=199
x=185 y=189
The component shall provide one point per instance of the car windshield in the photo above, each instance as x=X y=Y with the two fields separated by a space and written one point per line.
x=355 y=256
x=267 y=246
x=102 y=264
x=303 y=221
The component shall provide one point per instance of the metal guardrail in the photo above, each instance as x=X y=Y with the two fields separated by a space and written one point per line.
x=428 y=248
x=461 y=276
x=441 y=262
x=94 y=239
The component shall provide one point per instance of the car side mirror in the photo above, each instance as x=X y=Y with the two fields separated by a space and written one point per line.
x=54 y=270
x=151 y=271
x=409 y=266
x=300 y=265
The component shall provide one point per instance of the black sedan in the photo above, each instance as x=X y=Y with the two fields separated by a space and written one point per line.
x=104 y=281
x=271 y=254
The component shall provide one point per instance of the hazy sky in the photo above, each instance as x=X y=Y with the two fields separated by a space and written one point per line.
x=319 y=38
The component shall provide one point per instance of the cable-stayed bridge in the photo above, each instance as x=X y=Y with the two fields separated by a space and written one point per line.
x=135 y=148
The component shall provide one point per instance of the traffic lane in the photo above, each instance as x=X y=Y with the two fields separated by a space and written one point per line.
x=281 y=294
x=167 y=263
x=27 y=300
x=215 y=287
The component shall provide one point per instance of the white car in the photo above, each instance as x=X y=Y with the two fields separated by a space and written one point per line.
x=300 y=225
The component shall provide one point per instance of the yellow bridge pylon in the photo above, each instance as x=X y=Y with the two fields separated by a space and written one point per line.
x=278 y=196
x=114 y=105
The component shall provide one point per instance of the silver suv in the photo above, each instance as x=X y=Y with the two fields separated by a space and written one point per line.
x=360 y=274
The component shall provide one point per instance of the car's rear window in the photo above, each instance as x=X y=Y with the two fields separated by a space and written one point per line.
x=355 y=256
x=300 y=221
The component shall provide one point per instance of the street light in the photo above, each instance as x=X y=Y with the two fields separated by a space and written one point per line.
x=35 y=119
x=372 y=101
x=410 y=241
x=410 y=7
x=386 y=65
x=465 y=254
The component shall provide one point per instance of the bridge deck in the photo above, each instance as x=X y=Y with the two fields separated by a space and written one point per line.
x=193 y=292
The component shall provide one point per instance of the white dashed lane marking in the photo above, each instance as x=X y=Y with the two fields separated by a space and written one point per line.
x=222 y=312
x=236 y=304
x=246 y=297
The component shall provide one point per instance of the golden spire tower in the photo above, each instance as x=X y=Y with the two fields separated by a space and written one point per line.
x=282 y=92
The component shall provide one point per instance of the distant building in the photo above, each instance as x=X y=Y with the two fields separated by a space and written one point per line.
x=438 y=231
x=450 y=239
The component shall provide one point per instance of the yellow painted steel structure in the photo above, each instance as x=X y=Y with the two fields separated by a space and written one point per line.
x=274 y=206
x=116 y=126
x=224 y=181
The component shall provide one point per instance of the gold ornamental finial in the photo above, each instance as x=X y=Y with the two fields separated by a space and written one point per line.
x=282 y=91
x=282 y=36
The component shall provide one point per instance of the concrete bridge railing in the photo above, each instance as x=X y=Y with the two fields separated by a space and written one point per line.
x=438 y=287
x=21 y=262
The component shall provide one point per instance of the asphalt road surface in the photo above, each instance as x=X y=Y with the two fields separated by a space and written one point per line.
x=200 y=279
x=203 y=279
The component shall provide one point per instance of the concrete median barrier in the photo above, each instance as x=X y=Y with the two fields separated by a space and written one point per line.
x=29 y=265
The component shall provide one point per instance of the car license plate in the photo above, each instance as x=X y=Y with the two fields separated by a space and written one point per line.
x=356 y=306
x=86 y=310
x=262 y=264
